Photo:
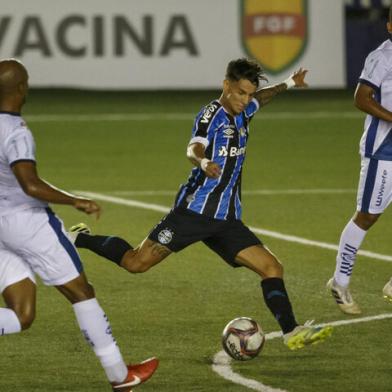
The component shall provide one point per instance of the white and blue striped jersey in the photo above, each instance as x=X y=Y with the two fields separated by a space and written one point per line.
x=376 y=141
x=224 y=138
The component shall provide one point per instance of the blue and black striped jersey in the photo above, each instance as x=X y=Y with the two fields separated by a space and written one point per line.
x=224 y=138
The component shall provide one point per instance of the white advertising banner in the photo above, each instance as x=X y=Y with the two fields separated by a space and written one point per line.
x=171 y=44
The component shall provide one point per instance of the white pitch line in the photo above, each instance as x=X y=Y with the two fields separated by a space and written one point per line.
x=143 y=193
x=222 y=367
x=267 y=233
x=254 y=192
x=125 y=202
x=222 y=361
x=98 y=117
x=318 y=244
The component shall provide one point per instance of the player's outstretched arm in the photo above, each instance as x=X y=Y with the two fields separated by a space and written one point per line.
x=196 y=154
x=297 y=79
x=34 y=186
x=364 y=100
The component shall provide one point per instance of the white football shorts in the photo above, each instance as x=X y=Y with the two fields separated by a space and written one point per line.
x=38 y=236
x=13 y=269
x=375 y=186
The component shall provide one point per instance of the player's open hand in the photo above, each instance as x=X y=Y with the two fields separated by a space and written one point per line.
x=299 y=78
x=212 y=169
x=88 y=206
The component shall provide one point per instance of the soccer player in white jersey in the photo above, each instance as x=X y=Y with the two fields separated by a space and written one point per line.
x=32 y=238
x=374 y=97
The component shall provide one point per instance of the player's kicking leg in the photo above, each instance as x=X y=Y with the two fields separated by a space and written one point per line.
x=119 y=251
x=96 y=328
x=260 y=260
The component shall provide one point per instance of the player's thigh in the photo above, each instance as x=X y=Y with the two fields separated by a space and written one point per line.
x=375 y=186
x=231 y=238
x=261 y=260
x=13 y=269
x=39 y=237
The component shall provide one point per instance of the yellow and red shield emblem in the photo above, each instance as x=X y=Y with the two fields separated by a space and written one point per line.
x=274 y=31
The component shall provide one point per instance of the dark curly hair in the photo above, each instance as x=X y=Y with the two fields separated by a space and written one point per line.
x=244 y=68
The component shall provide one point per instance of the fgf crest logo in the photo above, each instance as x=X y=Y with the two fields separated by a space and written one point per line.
x=274 y=32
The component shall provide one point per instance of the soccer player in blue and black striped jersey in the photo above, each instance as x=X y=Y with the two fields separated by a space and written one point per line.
x=208 y=206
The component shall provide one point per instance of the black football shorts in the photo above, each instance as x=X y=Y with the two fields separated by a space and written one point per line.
x=181 y=228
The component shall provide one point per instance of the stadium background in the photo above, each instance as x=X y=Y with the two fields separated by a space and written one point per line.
x=112 y=116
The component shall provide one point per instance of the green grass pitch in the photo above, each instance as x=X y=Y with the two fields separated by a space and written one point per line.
x=177 y=310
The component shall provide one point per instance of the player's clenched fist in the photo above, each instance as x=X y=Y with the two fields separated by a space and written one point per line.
x=212 y=169
x=88 y=206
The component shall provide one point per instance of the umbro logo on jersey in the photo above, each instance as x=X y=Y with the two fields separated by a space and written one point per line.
x=234 y=151
x=228 y=133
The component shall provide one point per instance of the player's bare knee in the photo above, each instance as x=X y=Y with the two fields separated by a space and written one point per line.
x=273 y=270
x=26 y=317
x=365 y=220
x=144 y=267
x=138 y=266
x=279 y=269
x=135 y=263
x=269 y=270
x=80 y=293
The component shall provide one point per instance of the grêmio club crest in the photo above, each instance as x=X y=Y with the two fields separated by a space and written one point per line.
x=274 y=31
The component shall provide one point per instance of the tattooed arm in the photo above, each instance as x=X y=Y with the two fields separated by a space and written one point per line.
x=297 y=79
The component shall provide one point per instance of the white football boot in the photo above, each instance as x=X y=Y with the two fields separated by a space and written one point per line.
x=387 y=291
x=343 y=298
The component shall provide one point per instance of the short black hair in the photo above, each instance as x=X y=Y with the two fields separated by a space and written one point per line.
x=390 y=14
x=244 y=68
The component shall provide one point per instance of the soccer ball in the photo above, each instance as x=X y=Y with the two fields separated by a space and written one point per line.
x=243 y=338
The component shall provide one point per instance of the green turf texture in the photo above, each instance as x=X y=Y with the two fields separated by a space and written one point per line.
x=178 y=309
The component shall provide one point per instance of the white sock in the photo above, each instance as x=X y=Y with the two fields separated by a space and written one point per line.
x=96 y=329
x=350 y=241
x=9 y=322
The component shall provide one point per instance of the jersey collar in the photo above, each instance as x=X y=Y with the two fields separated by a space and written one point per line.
x=10 y=113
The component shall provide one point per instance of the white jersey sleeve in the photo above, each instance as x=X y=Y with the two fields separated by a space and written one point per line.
x=375 y=69
x=19 y=146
